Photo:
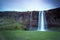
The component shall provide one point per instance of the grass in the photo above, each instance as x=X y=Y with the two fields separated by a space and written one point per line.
x=9 y=23
x=28 y=35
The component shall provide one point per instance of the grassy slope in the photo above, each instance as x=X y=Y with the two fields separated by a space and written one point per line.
x=28 y=35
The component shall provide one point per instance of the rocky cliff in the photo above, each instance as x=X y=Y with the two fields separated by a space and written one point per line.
x=30 y=18
x=53 y=18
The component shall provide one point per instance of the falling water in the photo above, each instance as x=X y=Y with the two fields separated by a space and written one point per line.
x=41 y=21
x=31 y=21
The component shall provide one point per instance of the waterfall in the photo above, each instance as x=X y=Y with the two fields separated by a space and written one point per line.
x=42 y=21
x=31 y=21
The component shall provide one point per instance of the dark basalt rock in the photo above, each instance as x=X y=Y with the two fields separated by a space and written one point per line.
x=52 y=17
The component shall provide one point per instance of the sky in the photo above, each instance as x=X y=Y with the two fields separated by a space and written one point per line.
x=28 y=5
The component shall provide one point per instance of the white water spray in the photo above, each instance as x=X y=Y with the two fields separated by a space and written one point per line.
x=41 y=21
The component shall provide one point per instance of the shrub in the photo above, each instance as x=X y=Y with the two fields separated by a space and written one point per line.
x=9 y=23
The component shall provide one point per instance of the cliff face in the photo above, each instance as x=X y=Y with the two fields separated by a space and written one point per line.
x=53 y=17
x=30 y=19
